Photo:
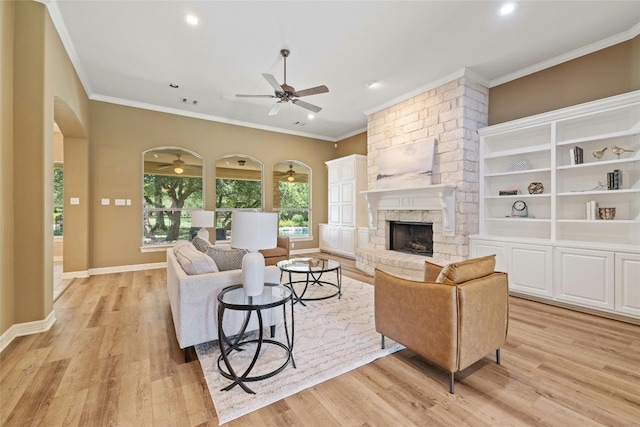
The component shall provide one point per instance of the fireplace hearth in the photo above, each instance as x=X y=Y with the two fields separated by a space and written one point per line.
x=411 y=237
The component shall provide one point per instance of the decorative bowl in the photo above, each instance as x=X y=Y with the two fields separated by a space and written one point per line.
x=314 y=262
x=607 y=213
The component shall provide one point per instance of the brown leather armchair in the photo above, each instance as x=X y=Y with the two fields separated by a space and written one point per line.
x=277 y=254
x=457 y=316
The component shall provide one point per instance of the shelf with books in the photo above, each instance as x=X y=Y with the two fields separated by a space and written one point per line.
x=578 y=221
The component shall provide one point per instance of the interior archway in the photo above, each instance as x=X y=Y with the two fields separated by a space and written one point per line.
x=75 y=251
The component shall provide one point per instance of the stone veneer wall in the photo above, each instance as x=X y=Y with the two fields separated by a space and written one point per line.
x=451 y=114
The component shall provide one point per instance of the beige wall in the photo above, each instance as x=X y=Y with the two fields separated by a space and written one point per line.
x=356 y=144
x=604 y=73
x=40 y=85
x=120 y=134
x=6 y=165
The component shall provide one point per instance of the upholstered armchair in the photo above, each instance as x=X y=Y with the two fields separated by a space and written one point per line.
x=457 y=316
x=277 y=254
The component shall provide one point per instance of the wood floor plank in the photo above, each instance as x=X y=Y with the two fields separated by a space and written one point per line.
x=112 y=358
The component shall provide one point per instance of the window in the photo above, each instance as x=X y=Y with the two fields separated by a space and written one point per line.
x=238 y=187
x=58 y=199
x=173 y=187
x=292 y=197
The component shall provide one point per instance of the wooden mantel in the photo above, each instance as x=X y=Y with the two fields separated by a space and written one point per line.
x=441 y=197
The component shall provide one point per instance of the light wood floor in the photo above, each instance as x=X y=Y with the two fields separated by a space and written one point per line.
x=112 y=359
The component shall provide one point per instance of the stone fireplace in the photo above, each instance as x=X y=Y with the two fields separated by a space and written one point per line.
x=450 y=113
x=411 y=237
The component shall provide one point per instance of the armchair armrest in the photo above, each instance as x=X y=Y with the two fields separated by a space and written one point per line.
x=422 y=316
x=283 y=242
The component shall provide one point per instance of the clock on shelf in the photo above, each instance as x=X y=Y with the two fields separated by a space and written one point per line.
x=519 y=209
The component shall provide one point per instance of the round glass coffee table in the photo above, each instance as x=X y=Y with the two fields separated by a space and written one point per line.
x=234 y=298
x=313 y=269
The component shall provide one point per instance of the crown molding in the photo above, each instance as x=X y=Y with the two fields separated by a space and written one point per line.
x=568 y=56
x=177 y=112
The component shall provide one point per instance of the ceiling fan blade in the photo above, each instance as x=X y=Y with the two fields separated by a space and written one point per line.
x=273 y=82
x=242 y=95
x=278 y=105
x=311 y=91
x=306 y=105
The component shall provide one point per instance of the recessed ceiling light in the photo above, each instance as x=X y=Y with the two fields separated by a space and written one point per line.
x=192 y=20
x=507 y=8
x=371 y=84
x=310 y=116
x=173 y=85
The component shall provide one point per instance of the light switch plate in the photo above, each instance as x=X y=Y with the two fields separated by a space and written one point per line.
x=128 y=202
x=120 y=202
x=74 y=201
x=105 y=202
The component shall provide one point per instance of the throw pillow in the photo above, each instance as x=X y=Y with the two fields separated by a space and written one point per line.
x=201 y=244
x=463 y=271
x=226 y=259
x=192 y=261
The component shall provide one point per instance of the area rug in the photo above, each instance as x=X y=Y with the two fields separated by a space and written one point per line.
x=332 y=336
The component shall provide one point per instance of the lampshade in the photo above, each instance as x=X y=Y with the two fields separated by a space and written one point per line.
x=254 y=231
x=204 y=220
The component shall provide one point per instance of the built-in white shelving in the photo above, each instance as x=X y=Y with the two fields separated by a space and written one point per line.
x=558 y=234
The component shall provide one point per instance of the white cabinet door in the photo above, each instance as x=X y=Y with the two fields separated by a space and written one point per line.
x=334 y=237
x=585 y=277
x=480 y=248
x=324 y=236
x=347 y=201
x=334 y=203
x=530 y=269
x=627 y=287
x=347 y=241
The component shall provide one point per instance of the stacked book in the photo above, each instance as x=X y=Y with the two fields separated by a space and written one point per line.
x=576 y=155
x=614 y=180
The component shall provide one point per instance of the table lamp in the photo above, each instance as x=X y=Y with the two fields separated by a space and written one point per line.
x=204 y=220
x=253 y=231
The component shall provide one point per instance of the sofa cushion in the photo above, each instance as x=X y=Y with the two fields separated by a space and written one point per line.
x=201 y=244
x=193 y=261
x=463 y=271
x=226 y=259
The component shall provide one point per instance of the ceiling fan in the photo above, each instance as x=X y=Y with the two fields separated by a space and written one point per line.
x=286 y=93
x=178 y=165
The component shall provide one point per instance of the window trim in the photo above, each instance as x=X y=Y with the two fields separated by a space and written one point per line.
x=310 y=235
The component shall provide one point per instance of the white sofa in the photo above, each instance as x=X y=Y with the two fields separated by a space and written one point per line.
x=194 y=303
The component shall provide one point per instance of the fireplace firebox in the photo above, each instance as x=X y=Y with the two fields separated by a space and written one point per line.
x=411 y=237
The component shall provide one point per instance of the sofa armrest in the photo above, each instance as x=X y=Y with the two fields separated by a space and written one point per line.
x=422 y=316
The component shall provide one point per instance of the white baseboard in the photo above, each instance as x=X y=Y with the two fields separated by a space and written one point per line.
x=303 y=251
x=75 y=275
x=27 y=328
x=125 y=268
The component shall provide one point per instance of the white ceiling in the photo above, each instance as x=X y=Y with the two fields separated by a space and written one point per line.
x=128 y=52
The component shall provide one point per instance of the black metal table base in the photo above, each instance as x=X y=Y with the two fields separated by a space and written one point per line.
x=315 y=280
x=238 y=342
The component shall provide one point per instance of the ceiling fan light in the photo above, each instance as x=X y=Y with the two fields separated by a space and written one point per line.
x=291 y=174
x=178 y=170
